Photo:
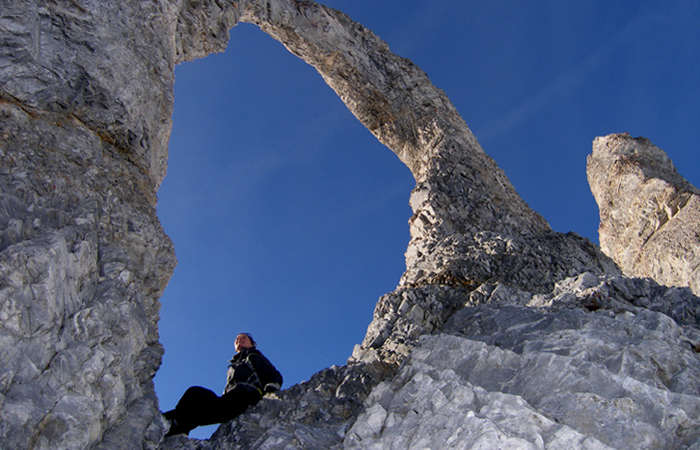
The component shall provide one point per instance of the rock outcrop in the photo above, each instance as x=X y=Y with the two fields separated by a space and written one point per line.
x=85 y=104
x=501 y=330
x=597 y=363
x=649 y=214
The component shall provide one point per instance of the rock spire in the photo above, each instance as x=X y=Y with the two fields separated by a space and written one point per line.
x=649 y=214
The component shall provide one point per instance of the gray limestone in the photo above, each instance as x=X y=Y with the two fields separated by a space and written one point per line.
x=84 y=124
x=596 y=363
x=649 y=213
x=501 y=333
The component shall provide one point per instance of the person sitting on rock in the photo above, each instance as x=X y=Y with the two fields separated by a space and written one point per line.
x=250 y=375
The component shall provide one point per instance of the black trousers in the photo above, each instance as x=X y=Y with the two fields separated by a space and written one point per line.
x=200 y=406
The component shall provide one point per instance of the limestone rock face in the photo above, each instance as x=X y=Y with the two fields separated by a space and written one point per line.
x=501 y=332
x=649 y=214
x=596 y=363
x=565 y=379
x=82 y=265
x=84 y=124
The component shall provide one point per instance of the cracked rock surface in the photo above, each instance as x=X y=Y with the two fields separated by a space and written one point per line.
x=501 y=333
x=649 y=213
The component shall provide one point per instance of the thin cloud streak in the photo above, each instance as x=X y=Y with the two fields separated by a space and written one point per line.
x=566 y=84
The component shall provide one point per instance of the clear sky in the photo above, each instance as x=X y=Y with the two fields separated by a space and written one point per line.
x=290 y=220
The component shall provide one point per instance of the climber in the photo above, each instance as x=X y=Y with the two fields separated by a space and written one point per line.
x=250 y=375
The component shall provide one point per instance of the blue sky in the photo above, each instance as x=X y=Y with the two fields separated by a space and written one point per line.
x=290 y=220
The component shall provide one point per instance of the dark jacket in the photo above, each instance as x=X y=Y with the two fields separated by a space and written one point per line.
x=249 y=367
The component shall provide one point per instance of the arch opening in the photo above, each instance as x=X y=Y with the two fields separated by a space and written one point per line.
x=289 y=219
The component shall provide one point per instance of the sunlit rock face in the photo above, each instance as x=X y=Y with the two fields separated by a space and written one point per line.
x=596 y=363
x=85 y=105
x=501 y=333
x=649 y=213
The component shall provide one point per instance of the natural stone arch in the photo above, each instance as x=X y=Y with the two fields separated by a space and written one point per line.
x=86 y=118
x=463 y=204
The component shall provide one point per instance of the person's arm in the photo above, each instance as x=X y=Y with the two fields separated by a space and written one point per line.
x=270 y=378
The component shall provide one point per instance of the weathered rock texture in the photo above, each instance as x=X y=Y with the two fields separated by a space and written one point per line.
x=85 y=105
x=501 y=332
x=597 y=363
x=649 y=214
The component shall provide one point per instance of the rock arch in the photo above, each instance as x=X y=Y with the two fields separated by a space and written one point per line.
x=85 y=112
x=463 y=204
